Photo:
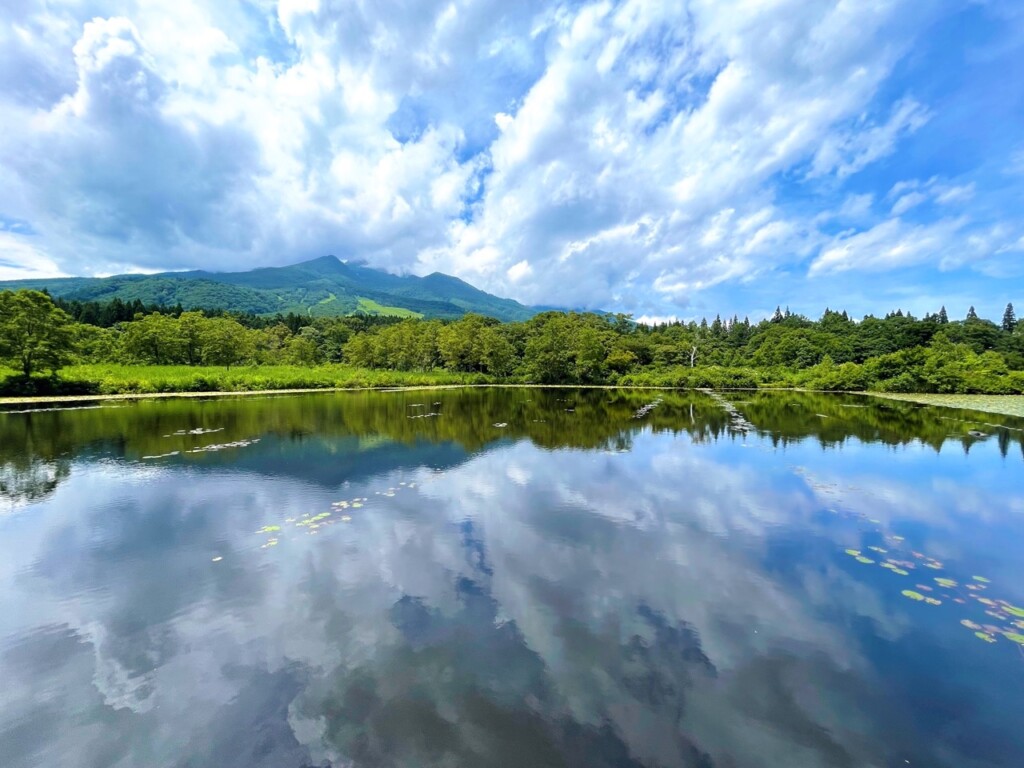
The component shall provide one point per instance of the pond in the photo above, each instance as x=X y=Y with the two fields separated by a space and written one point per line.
x=512 y=577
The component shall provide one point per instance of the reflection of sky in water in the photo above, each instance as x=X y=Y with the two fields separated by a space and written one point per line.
x=677 y=604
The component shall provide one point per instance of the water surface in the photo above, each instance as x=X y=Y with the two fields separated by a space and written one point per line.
x=512 y=578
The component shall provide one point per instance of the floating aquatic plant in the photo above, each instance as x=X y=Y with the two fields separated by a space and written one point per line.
x=1013 y=610
x=865 y=560
x=982 y=579
x=971 y=624
x=912 y=594
x=269 y=529
x=853 y=552
x=1015 y=637
x=985 y=636
x=943 y=582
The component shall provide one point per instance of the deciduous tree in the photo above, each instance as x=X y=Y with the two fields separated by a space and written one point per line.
x=34 y=334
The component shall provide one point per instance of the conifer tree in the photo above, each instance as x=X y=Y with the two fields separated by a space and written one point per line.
x=1009 y=318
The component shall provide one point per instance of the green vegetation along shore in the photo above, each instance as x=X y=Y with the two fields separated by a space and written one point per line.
x=70 y=348
x=1005 y=405
x=116 y=379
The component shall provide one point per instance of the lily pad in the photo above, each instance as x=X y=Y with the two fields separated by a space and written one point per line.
x=985 y=636
x=912 y=594
x=1013 y=610
x=982 y=579
x=1015 y=637
x=932 y=601
x=853 y=552
x=270 y=528
x=971 y=624
x=865 y=560
x=942 y=582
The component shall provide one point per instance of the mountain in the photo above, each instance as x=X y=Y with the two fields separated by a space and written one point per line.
x=323 y=286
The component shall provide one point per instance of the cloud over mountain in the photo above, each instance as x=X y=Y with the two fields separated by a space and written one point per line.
x=661 y=158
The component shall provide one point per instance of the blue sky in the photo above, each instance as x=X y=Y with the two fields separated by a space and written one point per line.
x=669 y=159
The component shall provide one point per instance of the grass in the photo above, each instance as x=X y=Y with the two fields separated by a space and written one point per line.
x=371 y=307
x=108 y=379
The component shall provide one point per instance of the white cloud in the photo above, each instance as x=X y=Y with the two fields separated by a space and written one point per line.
x=631 y=155
x=957 y=194
x=907 y=201
x=889 y=245
x=847 y=152
x=519 y=270
x=20 y=260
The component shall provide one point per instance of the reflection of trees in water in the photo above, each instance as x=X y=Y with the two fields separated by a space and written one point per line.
x=550 y=418
x=30 y=480
x=834 y=419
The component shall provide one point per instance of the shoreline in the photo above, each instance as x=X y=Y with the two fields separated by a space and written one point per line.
x=996 y=404
x=44 y=399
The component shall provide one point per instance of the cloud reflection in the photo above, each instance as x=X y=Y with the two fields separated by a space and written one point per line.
x=680 y=604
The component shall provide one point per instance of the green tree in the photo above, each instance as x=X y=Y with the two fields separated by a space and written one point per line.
x=549 y=358
x=226 y=342
x=191 y=326
x=497 y=352
x=1009 y=319
x=34 y=334
x=590 y=355
x=154 y=339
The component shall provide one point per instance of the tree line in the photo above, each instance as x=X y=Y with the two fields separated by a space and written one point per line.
x=897 y=352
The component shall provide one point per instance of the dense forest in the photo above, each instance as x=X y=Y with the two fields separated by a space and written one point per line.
x=895 y=353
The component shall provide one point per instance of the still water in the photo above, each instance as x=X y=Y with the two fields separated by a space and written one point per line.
x=512 y=577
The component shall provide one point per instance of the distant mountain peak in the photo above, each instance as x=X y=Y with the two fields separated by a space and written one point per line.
x=325 y=285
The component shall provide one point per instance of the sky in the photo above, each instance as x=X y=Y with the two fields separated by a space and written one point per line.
x=666 y=159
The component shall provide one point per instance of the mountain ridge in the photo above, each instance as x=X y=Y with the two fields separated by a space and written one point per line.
x=325 y=285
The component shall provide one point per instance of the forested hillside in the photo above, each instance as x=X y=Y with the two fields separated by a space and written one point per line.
x=322 y=287
x=895 y=353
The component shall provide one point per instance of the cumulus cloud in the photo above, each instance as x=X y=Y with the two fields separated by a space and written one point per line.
x=623 y=155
